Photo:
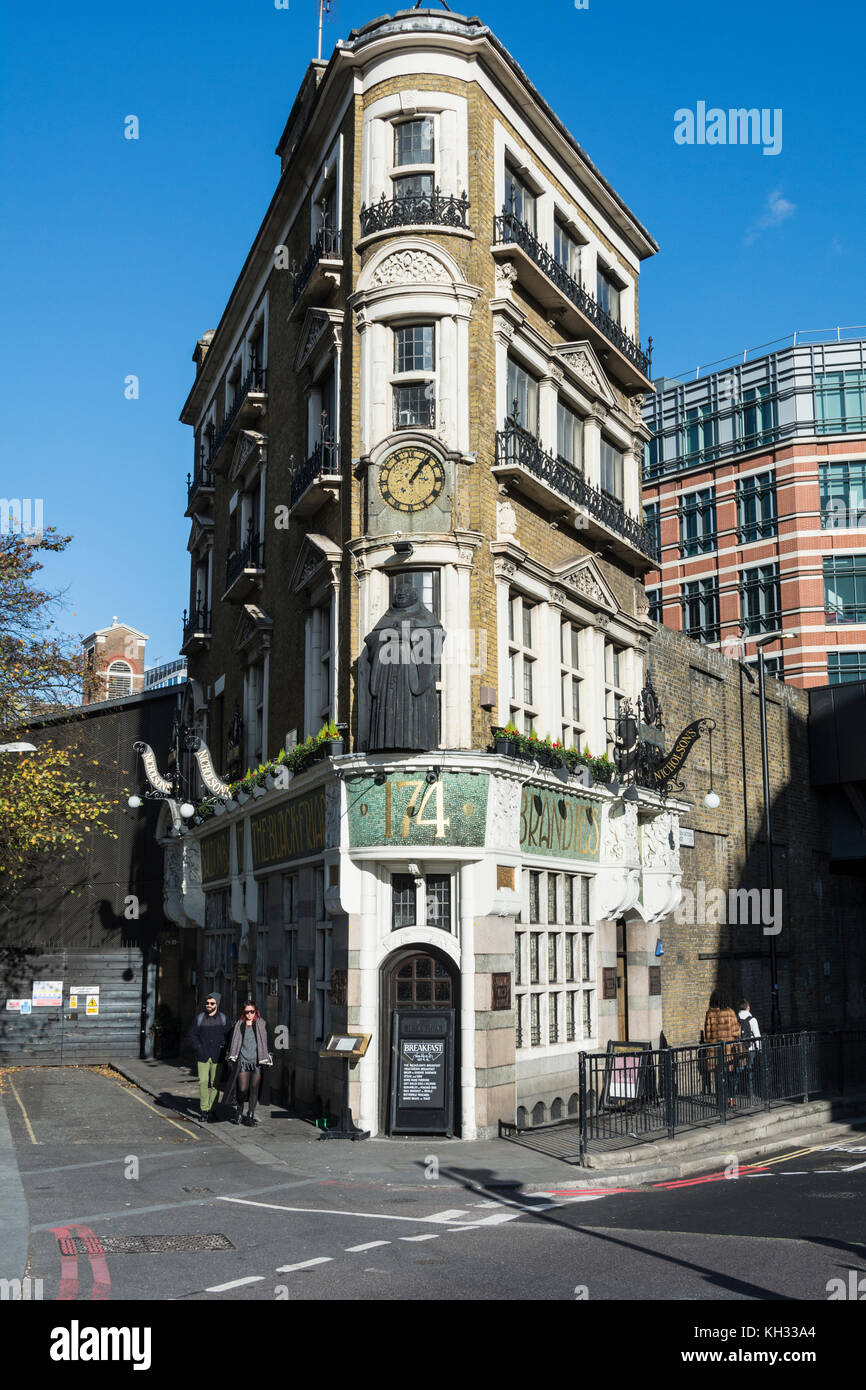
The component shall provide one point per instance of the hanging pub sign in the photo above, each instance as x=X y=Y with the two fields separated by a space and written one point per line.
x=154 y=776
x=209 y=774
x=422 y=1072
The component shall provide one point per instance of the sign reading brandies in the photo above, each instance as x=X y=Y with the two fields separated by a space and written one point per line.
x=555 y=822
x=290 y=832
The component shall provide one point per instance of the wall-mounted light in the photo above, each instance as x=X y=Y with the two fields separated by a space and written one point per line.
x=403 y=549
x=134 y=802
x=433 y=774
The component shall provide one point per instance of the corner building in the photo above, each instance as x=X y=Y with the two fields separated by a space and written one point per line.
x=429 y=371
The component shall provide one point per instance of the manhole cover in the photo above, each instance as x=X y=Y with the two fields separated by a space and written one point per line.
x=141 y=1245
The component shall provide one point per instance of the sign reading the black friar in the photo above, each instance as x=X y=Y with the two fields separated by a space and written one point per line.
x=289 y=832
x=215 y=856
x=422 y=1072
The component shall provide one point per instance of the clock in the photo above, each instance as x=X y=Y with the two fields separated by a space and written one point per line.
x=411 y=479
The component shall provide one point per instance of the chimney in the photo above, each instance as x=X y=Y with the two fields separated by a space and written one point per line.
x=201 y=349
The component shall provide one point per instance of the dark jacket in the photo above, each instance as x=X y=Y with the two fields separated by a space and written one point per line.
x=233 y=1060
x=207 y=1037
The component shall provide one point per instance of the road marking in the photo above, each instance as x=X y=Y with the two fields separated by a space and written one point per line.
x=235 y=1283
x=101 y=1289
x=305 y=1264
x=161 y=1113
x=33 y=1138
x=855 y=1167
x=369 y=1245
x=437 y=1218
x=105 y=1162
x=427 y=1237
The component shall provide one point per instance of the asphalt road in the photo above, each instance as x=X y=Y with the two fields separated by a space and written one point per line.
x=99 y=1160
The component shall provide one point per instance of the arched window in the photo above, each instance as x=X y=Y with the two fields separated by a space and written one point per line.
x=119 y=679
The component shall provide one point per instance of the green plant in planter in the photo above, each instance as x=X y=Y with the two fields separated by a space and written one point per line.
x=329 y=733
x=603 y=769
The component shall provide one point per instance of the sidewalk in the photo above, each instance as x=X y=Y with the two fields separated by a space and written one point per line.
x=283 y=1142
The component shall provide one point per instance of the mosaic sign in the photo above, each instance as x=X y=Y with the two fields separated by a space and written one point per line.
x=215 y=857
x=554 y=822
x=292 y=831
x=408 y=810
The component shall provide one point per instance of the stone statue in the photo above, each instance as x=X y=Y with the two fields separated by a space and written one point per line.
x=404 y=652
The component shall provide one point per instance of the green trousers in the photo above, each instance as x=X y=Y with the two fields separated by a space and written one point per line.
x=207 y=1084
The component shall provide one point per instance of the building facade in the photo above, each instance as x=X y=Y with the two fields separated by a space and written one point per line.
x=428 y=373
x=754 y=484
x=115 y=657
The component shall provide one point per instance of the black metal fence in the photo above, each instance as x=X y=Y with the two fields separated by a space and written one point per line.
x=626 y=1095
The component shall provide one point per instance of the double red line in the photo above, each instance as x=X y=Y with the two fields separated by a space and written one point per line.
x=69 y=1263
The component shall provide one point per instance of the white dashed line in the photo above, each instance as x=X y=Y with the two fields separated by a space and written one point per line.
x=235 y=1283
x=305 y=1264
x=419 y=1237
x=370 y=1245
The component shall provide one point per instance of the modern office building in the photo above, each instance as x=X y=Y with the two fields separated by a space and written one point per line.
x=754 y=485
x=428 y=375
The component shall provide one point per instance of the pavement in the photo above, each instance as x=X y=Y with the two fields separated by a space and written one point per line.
x=283 y=1140
x=14 y=1214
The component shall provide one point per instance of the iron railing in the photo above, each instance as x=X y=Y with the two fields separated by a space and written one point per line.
x=249 y=557
x=197 y=625
x=509 y=230
x=516 y=447
x=328 y=246
x=655 y=1093
x=201 y=477
x=435 y=209
x=256 y=379
x=323 y=461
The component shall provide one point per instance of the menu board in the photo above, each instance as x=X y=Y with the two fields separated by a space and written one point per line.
x=422 y=1072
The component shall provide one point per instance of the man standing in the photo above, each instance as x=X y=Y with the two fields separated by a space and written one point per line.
x=207 y=1037
x=750 y=1044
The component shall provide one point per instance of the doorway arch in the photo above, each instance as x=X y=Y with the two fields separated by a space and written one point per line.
x=415 y=977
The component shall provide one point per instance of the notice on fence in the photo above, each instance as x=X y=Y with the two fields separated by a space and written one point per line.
x=47 y=994
x=422 y=1074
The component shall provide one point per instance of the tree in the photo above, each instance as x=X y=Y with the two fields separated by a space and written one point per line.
x=48 y=801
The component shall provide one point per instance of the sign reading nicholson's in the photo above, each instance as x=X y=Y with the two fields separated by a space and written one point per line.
x=406 y=809
x=215 y=858
x=290 y=832
x=555 y=822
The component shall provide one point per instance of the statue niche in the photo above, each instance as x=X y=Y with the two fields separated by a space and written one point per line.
x=404 y=653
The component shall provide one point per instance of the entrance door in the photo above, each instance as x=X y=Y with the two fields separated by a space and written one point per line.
x=621 y=982
x=412 y=979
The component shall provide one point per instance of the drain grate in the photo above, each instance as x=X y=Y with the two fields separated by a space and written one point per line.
x=142 y=1245
x=198 y=1191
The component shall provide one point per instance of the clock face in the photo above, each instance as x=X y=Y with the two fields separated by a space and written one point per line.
x=410 y=479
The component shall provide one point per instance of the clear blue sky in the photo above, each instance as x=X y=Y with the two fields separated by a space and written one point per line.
x=117 y=254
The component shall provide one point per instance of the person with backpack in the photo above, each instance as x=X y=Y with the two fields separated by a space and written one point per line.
x=750 y=1043
x=207 y=1037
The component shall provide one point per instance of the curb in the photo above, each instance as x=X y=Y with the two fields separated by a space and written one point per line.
x=14 y=1212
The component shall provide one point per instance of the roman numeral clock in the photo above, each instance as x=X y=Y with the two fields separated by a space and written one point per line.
x=411 y=480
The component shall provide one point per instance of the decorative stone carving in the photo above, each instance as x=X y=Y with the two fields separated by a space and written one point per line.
x=659 y=849
x=408 y=268
x=602 y=623
x=506 y=276
x=503 y=813
x=635 y=407
x=585 y=583
x=506 y=521
x=316 y=326
x=619 y=841
x=557 y=596
x=579 y=362
x=641 y=603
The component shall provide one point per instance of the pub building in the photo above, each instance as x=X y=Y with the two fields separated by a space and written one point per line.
x=414 y=514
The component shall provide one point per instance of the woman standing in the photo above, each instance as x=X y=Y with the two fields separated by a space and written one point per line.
x=721 y=1025
x=248 y=1053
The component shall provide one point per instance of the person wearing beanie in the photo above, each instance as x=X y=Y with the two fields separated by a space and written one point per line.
x=207 y=1037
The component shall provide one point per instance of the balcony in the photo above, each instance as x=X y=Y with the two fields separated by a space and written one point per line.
x=552 y=481
x=552 y=286
x=245 y=569
x=199 y=487
x=416 y=210
x=317 y=480
x=322 y=266
x=196 y=631
x=250 y=400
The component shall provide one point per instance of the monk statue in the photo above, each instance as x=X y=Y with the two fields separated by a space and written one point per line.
x=404 y=653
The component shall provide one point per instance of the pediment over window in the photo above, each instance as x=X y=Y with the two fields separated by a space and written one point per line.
x=253 y=631
x=580 y=361
x=251 y=449
x=319 y=559
x=584 y=579
x=322 y=329
x=201 y=532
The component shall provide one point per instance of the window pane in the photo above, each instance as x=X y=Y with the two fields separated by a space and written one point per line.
x=413 y=349
x=413 y=142
x=414 y=405
x=414 y=186
x=439 y=901
x=552 y=895
x=519 y=199
x=403 y=901
x=534 y=957
x=523 y=388
x=569 y=435
x=553 y=957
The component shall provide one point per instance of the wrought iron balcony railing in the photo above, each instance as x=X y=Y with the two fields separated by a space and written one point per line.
x=515 y=446
x=328 y=246
x=198 y=624
x=202 y=477
x=436 y=209
x=324 y=461
x=256 y=379
x=508 y=230
x=249 y=557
